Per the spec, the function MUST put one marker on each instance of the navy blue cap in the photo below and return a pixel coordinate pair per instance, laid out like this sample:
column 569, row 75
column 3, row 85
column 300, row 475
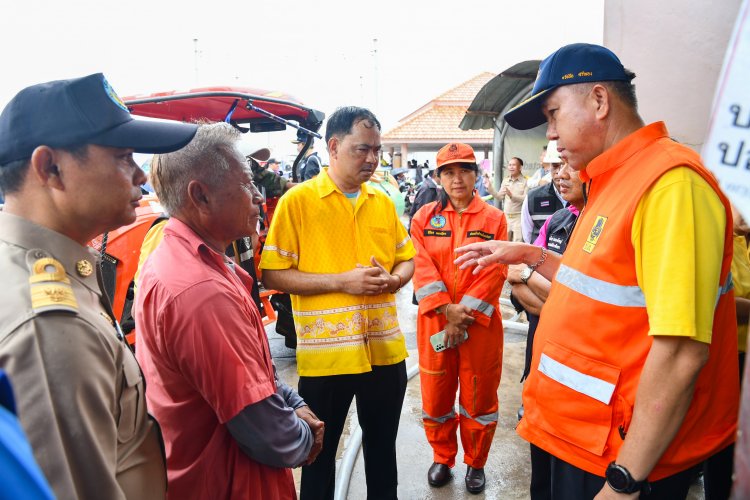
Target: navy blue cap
column 301, row 137
column 575, row 63
column 67, row 113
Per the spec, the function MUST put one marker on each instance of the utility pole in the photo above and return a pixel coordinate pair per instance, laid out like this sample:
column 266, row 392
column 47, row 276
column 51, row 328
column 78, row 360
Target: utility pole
column 375, row 65
column 195, row 59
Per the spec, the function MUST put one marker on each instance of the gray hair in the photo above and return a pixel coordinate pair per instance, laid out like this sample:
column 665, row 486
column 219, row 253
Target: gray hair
column 206, row 158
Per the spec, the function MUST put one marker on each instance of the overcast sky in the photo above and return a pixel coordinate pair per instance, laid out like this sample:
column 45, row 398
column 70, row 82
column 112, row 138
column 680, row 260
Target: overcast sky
column 320, row 52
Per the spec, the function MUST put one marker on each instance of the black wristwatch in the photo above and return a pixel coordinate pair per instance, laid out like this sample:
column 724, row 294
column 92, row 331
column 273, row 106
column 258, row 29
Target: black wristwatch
column 620, row 480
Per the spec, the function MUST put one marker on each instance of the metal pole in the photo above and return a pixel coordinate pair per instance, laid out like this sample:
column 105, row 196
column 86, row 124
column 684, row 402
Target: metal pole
column 195, row 59
column 375, row 62
column 341, row 488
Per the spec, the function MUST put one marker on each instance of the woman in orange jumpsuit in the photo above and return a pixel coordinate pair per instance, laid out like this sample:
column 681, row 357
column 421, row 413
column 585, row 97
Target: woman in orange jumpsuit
column 458, row 303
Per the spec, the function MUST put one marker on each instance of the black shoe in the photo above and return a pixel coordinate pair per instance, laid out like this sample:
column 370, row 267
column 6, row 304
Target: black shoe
column 474, row 480
column 520, row 412
column 439, row 475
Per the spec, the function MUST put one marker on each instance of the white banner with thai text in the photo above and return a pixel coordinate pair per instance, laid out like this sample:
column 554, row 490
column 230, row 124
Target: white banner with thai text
column 727, row 148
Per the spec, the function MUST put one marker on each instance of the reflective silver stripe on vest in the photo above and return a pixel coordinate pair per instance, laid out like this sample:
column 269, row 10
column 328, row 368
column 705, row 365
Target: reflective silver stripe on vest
column 440, row 420
column 541, row 217
column 248, row 255
column 725, row 288
column 478, row 305
column 482, row 419
column 593, row 387
column 599, row 290
column 430, row 289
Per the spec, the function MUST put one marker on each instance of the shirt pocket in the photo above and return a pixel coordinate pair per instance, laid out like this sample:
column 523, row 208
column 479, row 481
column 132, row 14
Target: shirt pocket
column 574, row 396
column 131, row 399
column 378, row 231
column 380, row 244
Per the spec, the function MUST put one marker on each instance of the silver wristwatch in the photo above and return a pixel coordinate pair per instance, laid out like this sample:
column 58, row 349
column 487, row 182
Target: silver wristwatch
column 526, row 274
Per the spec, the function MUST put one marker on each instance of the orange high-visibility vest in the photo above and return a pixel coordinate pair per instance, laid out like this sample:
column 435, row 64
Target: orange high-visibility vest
column 592, row 340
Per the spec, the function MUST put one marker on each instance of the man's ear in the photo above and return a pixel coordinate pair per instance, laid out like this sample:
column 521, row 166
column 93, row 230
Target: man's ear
column 333, row 147
column 43, row 168
column 602, row 100
column 199, row 195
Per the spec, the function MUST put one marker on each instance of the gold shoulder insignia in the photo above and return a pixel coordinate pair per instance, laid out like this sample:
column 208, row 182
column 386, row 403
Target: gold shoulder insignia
column 50, row 287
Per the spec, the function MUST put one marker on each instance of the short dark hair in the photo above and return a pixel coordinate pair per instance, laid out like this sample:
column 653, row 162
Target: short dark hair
column 342, row 120
column 13, row 174
column 520, row 161
column 625, row 90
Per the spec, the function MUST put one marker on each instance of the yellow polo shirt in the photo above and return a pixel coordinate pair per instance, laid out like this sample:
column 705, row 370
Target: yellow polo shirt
column 316, row 229
column 677, row 271
column 741, row 277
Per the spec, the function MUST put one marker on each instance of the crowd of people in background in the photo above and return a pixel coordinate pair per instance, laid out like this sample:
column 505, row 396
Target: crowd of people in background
column 621, row 249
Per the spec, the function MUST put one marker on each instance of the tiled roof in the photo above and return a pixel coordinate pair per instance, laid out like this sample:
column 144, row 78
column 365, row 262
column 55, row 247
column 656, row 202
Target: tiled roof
column 439, row 119
column 438, row 122
column 468, row 90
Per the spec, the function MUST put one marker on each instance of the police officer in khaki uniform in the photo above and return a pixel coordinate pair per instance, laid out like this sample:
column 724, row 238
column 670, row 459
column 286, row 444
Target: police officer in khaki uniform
column 270, row 184
column 67, row 173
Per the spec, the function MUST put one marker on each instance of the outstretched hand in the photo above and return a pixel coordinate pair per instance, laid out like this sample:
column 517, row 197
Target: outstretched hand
column 487, row 253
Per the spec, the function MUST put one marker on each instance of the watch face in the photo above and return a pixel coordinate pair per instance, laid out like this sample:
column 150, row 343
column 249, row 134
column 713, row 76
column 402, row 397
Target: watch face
column 617, row 479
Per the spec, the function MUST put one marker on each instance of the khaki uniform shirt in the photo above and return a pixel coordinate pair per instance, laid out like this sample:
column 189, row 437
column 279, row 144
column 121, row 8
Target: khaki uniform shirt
column 273, row 184
column 512, row 204
column 79, row 390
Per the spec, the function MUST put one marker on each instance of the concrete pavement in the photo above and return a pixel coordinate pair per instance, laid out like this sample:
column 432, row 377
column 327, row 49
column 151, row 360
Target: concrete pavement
column 508, row 467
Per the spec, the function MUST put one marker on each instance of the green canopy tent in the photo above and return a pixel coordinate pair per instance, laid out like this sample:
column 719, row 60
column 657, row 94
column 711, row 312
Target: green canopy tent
column 486, row 111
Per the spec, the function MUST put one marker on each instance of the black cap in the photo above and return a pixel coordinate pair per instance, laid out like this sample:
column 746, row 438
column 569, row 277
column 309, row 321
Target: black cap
column 80, row 111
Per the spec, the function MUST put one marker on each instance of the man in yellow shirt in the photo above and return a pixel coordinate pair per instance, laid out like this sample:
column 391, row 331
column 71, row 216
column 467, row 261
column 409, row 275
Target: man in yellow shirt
column 338, row 247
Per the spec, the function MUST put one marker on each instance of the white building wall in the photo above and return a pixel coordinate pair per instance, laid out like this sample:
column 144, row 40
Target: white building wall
column 676, row 49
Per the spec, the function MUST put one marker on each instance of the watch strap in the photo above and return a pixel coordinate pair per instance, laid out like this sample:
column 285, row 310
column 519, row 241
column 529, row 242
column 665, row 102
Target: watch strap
column 631, row 486
column 525, row 277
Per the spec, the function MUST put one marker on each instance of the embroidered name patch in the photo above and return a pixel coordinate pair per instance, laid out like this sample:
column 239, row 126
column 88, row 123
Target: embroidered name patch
column 480, row 234
column 434, row 232
column 595, row 233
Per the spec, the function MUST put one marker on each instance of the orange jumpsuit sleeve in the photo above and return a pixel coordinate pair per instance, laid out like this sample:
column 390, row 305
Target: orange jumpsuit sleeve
column 484, row 289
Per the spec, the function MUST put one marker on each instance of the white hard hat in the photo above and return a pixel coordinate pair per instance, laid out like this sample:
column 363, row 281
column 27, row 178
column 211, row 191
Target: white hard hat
column 552, row 156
